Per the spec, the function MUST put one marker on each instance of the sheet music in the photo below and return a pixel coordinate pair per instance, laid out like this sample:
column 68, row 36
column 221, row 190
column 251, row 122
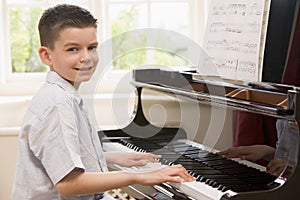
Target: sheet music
column 235, row 38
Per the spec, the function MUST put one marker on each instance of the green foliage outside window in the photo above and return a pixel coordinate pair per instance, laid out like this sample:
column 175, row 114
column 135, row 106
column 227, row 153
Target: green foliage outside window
column 138, row 57
column 124, row 23
column 24, row 42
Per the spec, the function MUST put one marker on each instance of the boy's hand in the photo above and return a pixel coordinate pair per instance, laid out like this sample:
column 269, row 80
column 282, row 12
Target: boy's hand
column 278, row 167
column 252, row 153
column 129, row 159
column 174, row 173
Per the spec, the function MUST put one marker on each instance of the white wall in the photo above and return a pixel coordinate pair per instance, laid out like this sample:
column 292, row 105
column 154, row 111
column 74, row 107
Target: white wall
column 203, row 124
column 11, row 113
column 8, row 153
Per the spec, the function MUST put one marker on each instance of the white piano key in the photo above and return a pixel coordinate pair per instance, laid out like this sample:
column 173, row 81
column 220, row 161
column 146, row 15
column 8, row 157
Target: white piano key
column 195, row 189
column 200, row 190
column 115, row 146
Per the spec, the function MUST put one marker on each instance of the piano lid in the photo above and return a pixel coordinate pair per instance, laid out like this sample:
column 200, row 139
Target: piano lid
column 264, row 98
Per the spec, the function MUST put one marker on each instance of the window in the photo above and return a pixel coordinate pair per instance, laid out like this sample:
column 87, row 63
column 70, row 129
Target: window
column 126, row 16
column 24, row 39
column 19, row 39
column 22, row 17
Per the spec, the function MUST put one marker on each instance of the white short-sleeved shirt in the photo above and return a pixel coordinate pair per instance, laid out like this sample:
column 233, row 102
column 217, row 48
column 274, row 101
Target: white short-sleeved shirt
column 56, row 137
column 288, row 142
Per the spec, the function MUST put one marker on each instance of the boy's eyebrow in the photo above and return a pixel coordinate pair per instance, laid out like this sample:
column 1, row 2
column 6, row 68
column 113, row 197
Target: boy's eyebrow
column 76, row 44
column 71, row 44
column 94, row 43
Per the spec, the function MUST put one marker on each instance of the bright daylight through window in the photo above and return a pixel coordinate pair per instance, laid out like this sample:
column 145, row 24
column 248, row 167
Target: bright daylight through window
column 120, row 16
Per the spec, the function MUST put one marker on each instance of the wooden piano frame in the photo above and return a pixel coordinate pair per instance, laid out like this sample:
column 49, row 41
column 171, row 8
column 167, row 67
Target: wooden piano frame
column 276, row 100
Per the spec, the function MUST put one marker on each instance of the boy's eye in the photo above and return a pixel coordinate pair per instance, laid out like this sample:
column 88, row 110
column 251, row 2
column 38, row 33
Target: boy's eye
column 92, row 47
column 72, row 49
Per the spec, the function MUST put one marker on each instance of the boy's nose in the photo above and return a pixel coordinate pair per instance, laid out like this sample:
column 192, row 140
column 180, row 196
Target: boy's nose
column 85, row 57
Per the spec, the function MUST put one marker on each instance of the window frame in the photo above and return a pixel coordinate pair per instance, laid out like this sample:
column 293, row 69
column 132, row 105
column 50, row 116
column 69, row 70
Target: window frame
column 28, row 83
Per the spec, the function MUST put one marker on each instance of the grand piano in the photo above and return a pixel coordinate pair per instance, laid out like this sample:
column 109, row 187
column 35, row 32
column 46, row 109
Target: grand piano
column 217, row 177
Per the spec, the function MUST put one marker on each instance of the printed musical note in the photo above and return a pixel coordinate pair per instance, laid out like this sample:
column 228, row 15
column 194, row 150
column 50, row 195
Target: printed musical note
column 223, row 45
column 219, row 10
column 237, row 9
column 219, row 27
column 230, row 9
column 252, row 27
column 246, row 66
column 225, row 64
column 249, row 48
column 255, row 9
column 234, row 37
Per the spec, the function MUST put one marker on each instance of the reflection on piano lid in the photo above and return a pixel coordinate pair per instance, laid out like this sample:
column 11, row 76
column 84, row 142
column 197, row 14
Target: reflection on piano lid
column 216, row 176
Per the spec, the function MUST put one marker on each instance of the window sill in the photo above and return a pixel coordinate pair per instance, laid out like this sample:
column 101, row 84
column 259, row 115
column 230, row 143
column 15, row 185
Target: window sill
column 103, row 107
column 9, row 131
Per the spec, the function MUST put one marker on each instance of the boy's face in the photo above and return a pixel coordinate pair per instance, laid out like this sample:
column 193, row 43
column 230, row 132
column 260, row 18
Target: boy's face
column 75, row 56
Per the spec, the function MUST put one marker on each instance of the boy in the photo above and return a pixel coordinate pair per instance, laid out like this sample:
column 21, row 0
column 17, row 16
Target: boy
column 60, row 155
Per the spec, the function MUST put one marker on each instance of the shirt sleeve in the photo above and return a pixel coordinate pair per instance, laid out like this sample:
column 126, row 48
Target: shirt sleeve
column 56, row 143
column 288, row 142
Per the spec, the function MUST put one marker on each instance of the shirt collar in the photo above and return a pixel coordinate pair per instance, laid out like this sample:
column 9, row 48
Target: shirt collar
column 55, row 78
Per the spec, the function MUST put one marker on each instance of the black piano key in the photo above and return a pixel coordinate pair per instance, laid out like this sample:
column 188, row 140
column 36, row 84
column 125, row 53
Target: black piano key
column 179, row 158
column 198, row 155
column 218, row 162
column 201, row 178
column 230, row 181
column 165, row 162
column 240, row 187
column 261, row 180
column 211, row 156
column 166, row 151
column 202, row 155
column 194, row 166
column 221, row 178
column 185, row 150
column 197, row 166
column 214, row 170
column 246, row 174
column 222, row 167
column 222, row 188
column 240, row 171
column 206, row 172
column 190, row 163
column 211, row 183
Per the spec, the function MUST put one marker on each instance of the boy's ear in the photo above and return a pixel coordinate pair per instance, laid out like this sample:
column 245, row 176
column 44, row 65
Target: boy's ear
column 45, row 55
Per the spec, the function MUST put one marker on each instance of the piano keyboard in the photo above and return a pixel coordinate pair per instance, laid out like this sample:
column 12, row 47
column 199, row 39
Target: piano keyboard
column 216, row 176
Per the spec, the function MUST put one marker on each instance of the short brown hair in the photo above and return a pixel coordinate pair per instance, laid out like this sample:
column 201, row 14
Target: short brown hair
column 60, row 17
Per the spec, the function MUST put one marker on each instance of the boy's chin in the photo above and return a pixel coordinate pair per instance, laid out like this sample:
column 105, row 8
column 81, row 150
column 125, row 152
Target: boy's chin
column 82, row 79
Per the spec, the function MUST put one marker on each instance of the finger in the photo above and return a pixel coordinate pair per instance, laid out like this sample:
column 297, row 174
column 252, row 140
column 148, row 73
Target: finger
column 139, row 162
column 179, row 170
column 274, row 169
column 231, row 153
column 175, row 179
column 146, row 156
column 153, row 157
column 223, row 152
column 250, row 157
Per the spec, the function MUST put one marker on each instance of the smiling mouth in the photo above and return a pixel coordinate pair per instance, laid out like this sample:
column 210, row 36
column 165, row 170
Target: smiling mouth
column 84, row 68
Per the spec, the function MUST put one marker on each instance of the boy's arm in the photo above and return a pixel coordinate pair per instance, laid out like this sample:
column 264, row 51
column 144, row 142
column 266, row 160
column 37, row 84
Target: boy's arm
column 78, row 183
column 129, row 159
